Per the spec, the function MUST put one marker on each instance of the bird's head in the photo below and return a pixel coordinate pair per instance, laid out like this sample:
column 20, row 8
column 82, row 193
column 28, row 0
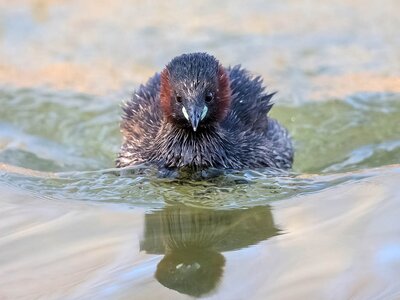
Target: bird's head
column 195, row 91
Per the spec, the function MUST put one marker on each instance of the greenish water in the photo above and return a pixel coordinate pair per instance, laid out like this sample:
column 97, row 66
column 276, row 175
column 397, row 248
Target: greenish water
column 75, row 137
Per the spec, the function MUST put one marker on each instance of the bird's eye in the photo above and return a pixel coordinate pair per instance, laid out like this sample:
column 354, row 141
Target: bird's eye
column 178, row 99
column 209, row 97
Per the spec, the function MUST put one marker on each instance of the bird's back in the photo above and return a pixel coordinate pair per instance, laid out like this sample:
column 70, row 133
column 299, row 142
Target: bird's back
column 249, row 103
column 141, row 122
column 249, row 119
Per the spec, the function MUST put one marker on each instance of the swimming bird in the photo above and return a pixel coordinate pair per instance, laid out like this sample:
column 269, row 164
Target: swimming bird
column 197, row 114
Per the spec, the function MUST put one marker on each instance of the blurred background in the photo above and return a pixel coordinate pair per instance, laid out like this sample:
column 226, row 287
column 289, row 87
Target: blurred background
column 304, row 49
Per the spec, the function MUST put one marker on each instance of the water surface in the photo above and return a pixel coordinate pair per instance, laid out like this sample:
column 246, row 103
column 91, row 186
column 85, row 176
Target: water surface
column 61, row 146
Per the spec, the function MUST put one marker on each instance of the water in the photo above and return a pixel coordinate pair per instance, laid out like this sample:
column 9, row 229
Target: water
column 75, row 138
column 70, row 141
column 74, row 227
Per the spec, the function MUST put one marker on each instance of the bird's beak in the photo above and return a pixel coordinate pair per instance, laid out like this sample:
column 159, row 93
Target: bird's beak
column 195, row 114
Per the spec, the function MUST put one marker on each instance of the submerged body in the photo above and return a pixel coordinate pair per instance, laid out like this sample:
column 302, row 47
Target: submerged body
column 197, row 114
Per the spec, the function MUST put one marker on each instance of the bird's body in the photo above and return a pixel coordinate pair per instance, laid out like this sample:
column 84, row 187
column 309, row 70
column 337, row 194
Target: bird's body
column 198, row 115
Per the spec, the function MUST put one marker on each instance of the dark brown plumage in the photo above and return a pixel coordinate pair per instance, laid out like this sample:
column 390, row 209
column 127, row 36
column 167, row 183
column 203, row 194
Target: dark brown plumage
column 197, row 114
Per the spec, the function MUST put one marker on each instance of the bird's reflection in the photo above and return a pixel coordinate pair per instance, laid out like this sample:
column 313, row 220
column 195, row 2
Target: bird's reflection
column 192, row 240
